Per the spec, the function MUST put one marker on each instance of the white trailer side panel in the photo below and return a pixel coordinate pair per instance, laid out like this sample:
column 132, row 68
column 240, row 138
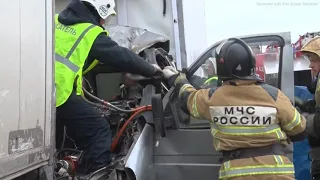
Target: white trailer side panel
column 194, row 26
column 25, row 86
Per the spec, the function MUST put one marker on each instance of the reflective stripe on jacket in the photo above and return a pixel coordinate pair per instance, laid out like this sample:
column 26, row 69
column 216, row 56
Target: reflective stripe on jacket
column 272, row 165
column 72, row 47
column 214, row 78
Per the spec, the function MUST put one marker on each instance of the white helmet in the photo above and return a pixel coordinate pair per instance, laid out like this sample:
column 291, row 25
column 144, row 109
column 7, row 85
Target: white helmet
column 105, row 8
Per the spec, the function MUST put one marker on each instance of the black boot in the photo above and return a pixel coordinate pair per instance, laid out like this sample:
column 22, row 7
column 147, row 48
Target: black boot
column 315, row 169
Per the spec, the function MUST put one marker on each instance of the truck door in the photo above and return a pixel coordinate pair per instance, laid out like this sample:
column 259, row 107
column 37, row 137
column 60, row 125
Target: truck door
column 187, row 150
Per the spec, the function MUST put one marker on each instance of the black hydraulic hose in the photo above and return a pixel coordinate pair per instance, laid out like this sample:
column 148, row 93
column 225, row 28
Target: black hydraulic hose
column 103, row 103
column 106, row 103
column 92, row 103
column 64, row 137
column 88, row 83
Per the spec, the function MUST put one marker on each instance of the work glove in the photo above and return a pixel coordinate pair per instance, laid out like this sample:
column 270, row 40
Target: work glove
column 169, row 71
column 158, row 70
column 173, row 75
column 135, row 77
column 312, row 125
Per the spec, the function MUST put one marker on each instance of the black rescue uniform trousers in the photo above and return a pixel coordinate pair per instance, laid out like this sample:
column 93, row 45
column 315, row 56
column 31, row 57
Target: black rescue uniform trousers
column 314, row 143
column 89, row 130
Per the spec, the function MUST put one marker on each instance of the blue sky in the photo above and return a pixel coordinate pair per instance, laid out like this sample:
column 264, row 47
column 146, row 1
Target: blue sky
column 234, row 17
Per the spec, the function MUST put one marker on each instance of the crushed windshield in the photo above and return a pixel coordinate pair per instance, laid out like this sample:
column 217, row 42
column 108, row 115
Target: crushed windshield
column 267, row 55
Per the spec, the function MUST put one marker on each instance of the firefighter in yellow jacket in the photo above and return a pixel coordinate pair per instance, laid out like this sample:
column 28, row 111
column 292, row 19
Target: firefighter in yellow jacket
column 251, row 122
column 312, row 51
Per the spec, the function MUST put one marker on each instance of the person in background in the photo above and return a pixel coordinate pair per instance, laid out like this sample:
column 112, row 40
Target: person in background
column 312, row 51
